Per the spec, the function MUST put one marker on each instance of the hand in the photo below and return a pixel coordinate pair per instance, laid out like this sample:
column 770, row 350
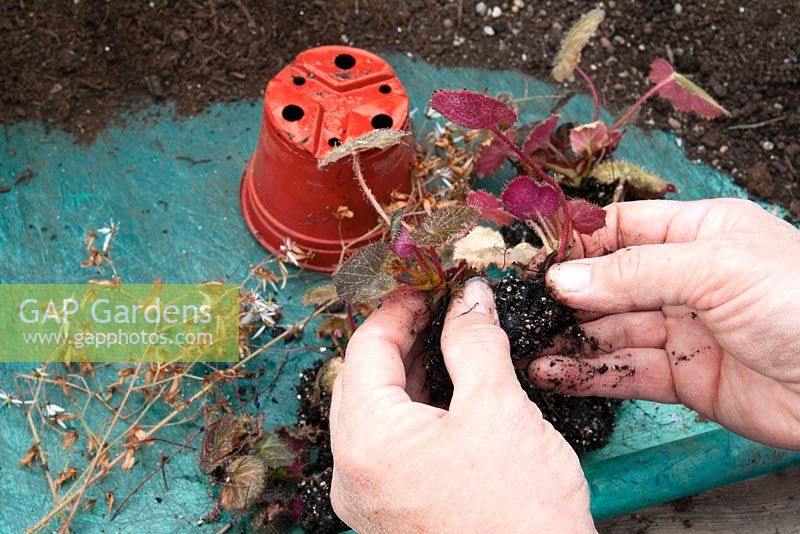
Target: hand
column 489, row 464
column 700, row 305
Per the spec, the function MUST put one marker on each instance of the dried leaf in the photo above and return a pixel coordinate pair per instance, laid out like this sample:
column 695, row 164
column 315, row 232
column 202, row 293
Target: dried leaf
column 129, row 461
column 317, row 296
column 226, row 437
column 472, row 110
column 592, row 138
column 343, row 212
column 275, row 452
column 587, row 218
column 34, row 453
column 328, row 373
column 65, row 476
column 244, row 484
column 540, row 135
column 364, row 275
column 490, row 206
column 526, row 199
column 445, row 225
column 402, row 245
column 682, row 93
column 69, row 439
column 380, row 139
column 642, row 183
column 493, row 155
column 569, row 56
column 484, row 246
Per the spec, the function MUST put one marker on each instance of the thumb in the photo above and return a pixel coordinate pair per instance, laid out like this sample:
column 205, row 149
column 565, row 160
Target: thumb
column 476, row 350
column 641, row 278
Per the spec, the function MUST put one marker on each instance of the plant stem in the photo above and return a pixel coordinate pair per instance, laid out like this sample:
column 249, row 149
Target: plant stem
column 436, row 262
column 368, row 192
column 567, row 230
column 644, row 98
column 593, row 90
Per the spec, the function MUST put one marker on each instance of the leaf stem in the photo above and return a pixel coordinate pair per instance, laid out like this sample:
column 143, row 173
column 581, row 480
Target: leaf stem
column 644, row 98
column 359, row 176
column 593, row 90
column 436, row 263
column 566, row 233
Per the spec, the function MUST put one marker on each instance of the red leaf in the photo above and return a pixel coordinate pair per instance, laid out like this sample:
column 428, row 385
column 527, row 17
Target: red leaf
column 492, row 156
column 593, row 137
column 526, row 199
column 471, row 110
column 490, row 206
column 682, row 93
column 540, row 135
column 402, row 245
column 586, row 217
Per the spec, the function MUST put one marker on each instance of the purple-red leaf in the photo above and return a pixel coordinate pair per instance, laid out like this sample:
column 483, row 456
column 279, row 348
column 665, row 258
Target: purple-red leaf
column 402, row 245
column 526, row 199
column 586, row 217
column 490, row 206
column 492, row 156
column 593, row 137
column 471, row 110
column 540, row 135
column 682, row 93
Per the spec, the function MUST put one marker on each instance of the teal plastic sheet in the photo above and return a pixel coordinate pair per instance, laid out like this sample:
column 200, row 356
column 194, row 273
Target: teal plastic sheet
column 180, row 222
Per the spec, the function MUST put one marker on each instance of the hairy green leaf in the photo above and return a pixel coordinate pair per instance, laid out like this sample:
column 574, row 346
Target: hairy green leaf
column 275, row 452
column 364, row 275
column 445, row 226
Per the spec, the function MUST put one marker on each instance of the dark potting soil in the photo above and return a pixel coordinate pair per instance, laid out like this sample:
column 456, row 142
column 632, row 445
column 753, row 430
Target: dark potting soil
column 532, row 319
column 318, row 514
column 76, row 64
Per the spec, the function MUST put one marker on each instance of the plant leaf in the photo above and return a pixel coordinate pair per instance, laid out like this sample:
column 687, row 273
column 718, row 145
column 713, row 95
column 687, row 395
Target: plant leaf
column 402, row 245
column 317, row 296
column 245, row 482
column 445, row 225
column 275, row 452
column 682, row 93
column 492, row 156
column 472, row 110
column 540, row 135
column 380, row 139
column 643, row 184
column 364, row 275
column 484, row 246
column 222, row 439
column 396, row 225
column 569, row 56
column 526, row 199
column 587, row 218
column 490, row 206
column 592, row 138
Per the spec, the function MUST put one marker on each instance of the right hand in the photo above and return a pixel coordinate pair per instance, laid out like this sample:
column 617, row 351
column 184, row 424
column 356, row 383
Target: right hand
column 698, row 303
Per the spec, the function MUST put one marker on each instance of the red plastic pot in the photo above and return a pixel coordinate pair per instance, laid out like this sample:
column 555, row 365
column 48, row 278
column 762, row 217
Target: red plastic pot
column 326, row 96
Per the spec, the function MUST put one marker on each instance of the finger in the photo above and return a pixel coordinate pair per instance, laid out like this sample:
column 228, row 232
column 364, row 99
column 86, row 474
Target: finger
column 627, row 330
column 637, row 278
column 476, row 350
column 647, row 222
column 379, row 353
column 626, row 374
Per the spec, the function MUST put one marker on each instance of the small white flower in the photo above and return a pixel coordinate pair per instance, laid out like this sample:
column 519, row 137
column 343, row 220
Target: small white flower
column 109, row 231
column 53, row 411
column 286, row 248
column 10, row 400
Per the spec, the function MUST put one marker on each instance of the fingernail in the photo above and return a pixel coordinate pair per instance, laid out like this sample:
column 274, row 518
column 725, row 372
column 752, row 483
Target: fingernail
column 477, row 296
column 570, row 277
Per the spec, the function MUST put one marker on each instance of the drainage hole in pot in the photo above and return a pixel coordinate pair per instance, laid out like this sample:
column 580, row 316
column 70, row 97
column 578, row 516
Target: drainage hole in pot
column 382, row 121
column 292, row 113
column 344, row 61
column 334, row 141
column 385, row 89
column 298, row 80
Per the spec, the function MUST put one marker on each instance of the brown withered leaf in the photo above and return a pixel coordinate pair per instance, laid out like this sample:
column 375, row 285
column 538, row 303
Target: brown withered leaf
column 317, row 296
column 380, row 139
column 65, row 476
column 34, row 453
column 69, row 439
column 227, row 436
column 245, row 481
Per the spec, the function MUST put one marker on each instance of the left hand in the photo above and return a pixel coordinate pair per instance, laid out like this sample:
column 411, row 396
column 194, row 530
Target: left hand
column 490, row 463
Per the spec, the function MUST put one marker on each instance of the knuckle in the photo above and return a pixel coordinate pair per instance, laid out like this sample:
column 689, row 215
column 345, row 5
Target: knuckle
column 621, row 267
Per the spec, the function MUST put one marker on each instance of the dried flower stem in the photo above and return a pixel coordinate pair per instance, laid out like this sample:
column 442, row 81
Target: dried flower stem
column 359, row 175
